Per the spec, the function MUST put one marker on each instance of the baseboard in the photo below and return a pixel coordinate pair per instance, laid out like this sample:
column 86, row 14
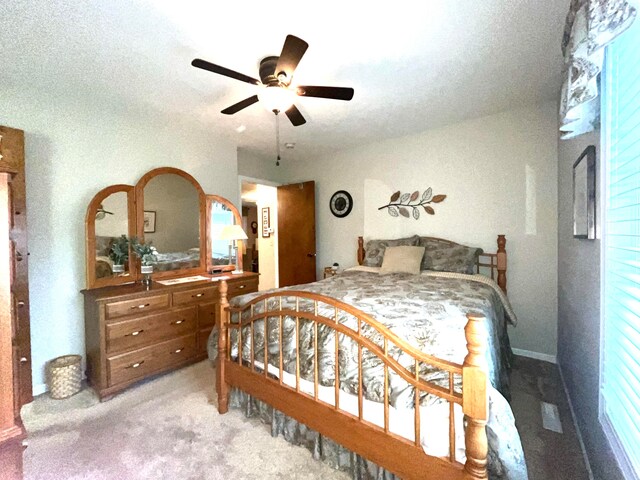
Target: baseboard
column 545, row 357
column 39, row 389
column 575, row 424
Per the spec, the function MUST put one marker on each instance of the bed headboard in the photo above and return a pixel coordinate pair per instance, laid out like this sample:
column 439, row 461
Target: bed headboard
column 494, row 263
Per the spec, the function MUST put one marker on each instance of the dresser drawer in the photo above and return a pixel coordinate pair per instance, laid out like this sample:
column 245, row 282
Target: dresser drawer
column 138, row 364
column 197, row 295
column 241, row 287
column 207, row 314
column 141, row 331
column 137, row 306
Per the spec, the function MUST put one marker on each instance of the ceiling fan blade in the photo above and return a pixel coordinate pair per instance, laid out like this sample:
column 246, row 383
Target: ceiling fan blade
column 240, row 105
column 198, row 63
column 335, row 93
column 292, row 51
column 295, row 116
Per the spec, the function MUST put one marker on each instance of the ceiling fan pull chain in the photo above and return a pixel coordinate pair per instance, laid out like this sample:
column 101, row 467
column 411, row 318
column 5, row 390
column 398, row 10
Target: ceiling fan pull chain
column 277, row 138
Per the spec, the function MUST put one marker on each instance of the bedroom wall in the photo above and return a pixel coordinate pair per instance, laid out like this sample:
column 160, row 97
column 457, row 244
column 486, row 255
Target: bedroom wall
column 74, row 147
column 500, row 176
column 579, row 311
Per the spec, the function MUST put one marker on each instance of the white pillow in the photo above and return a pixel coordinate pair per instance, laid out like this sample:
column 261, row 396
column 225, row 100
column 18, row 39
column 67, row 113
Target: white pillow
column 402, row 260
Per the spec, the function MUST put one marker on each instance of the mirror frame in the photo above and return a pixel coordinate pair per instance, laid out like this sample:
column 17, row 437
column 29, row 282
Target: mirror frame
column 135, row 210
column 238, row 217
column 90, row 239
column 139, row 192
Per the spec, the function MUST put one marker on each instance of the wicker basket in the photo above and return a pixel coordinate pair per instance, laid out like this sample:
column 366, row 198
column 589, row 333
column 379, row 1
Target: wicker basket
column 64, row 375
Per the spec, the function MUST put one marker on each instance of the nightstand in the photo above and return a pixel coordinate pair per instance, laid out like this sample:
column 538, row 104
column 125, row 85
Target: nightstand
column 329, row 272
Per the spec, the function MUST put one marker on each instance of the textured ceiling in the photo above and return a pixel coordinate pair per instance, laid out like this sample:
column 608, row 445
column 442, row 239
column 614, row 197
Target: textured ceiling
column 413, row 65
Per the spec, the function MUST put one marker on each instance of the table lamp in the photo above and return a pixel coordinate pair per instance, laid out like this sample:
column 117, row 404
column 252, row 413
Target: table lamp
column 233, row 233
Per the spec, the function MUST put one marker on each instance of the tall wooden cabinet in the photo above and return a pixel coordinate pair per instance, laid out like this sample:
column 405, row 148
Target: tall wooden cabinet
column 12, row 151
column 11, row 429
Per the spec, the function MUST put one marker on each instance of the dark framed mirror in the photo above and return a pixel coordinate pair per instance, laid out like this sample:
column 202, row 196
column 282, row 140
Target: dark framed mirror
column 584, row 195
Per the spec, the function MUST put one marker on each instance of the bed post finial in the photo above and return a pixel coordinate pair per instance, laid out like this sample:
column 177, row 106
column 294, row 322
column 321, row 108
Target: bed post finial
column 223, row 318
column 474, row 396
column 360, row 250
column 502, row 263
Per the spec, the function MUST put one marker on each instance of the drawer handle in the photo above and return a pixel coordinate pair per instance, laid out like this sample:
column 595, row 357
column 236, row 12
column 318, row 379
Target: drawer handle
column 140, row 306
column 197, row 295
column 134, row 334
column 241, row 286
column 177, row 322
column 178, row 350
column 136, row 365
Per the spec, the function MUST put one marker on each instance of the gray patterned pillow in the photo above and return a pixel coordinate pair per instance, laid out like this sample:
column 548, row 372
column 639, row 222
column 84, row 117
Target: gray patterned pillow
column 448, row 258
column 374, row 250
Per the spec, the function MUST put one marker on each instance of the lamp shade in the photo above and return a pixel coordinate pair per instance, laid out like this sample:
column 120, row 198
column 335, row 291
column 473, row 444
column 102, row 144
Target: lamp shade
column 233, row 232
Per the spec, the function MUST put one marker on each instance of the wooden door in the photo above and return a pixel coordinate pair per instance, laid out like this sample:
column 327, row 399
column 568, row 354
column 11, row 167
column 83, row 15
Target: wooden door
column 297, row 234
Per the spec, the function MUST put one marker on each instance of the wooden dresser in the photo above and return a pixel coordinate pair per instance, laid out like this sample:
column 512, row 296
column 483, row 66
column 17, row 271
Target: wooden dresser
column 133, row 333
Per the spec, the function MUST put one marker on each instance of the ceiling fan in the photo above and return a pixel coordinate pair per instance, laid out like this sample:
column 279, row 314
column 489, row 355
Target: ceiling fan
column 276, row 74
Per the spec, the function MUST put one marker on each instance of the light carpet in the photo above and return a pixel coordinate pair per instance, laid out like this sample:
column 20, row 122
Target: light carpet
column 166, row 428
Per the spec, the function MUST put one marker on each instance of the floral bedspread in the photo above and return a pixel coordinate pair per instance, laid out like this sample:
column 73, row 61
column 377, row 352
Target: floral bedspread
column 428, row 311
column 176, row 260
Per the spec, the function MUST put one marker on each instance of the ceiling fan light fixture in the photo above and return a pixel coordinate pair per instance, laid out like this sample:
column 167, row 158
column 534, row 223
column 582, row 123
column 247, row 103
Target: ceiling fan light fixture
column 276, row 98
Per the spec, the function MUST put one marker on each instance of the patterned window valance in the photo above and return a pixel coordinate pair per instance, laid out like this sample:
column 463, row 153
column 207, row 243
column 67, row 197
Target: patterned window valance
column 591, row 25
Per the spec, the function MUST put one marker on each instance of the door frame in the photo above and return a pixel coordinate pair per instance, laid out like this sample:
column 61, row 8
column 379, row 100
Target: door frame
column 268, row 183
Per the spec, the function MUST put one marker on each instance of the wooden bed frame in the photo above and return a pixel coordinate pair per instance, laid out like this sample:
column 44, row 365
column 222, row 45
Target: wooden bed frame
column 403, row 457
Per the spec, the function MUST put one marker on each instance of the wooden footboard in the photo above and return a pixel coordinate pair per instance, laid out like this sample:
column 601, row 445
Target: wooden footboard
column 397, row 454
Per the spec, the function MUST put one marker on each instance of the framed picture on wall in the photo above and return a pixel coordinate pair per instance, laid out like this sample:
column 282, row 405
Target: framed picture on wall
column 584, row 195
column 149, row 221
column 265, row 223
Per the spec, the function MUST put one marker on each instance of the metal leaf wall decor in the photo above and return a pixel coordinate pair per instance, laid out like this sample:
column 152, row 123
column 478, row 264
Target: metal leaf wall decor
column 409, row 204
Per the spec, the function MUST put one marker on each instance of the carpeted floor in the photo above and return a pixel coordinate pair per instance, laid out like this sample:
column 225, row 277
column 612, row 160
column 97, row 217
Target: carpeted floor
column 549, row 455
column 169, row 428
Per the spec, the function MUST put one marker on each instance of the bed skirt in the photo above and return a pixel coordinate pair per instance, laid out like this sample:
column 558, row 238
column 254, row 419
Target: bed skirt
column 505, row 460
column 296, row 433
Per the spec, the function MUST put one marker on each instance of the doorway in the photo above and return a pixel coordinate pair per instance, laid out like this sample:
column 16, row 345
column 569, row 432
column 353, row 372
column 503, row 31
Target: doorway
column 259, row 208
column 283, row 247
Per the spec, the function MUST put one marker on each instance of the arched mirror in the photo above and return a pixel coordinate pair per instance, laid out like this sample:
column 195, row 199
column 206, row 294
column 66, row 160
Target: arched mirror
column 192, row 233
column 223, row 255
column 108, row 225
column 170, row 215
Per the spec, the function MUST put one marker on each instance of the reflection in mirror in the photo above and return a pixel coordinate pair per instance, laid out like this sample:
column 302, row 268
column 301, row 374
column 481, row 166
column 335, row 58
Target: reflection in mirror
column 172, row 221
column 221, row 250
column 111, row 222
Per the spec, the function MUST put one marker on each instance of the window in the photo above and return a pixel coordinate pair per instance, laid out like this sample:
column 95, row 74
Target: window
column 620, row 374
